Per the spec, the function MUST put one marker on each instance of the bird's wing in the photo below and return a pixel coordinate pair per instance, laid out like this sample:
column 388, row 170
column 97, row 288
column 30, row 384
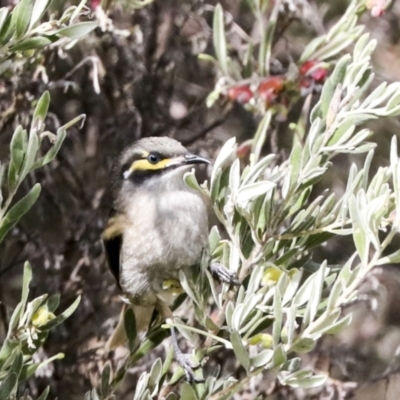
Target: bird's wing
column 112, row 240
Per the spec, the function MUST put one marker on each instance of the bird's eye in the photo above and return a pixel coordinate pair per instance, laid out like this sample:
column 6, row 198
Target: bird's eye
column 153, row 158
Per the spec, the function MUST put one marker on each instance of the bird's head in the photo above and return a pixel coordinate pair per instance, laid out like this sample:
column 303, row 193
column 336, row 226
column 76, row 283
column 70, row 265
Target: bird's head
column 154, row 162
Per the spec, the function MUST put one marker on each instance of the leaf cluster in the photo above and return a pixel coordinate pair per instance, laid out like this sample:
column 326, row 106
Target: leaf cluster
column 22, row 32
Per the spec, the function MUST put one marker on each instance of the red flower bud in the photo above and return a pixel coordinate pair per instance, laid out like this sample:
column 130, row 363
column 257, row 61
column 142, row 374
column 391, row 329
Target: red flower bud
column 318, row 74
column 269, row 88
column 377, row 7
column 242, row 94
column 244, row 149
column 94, row 4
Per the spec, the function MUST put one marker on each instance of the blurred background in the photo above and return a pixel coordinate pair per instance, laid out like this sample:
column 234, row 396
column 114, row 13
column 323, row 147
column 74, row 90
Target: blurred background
column 139, row 75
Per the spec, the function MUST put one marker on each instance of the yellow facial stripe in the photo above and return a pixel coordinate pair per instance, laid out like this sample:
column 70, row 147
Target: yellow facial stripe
column 144, row 165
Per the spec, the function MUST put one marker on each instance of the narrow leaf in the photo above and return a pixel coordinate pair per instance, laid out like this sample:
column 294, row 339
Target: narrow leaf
column 78, row 30
column 239, row 350
column 63, row 316
column 18, row 210
column 219, row 38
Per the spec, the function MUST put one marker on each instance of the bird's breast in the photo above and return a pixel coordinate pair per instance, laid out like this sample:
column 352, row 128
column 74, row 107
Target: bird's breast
column 162, row 235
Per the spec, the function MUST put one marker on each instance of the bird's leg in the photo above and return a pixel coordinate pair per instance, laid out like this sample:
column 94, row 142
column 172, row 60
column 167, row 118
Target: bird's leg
column 184, row 360
column 222, row 274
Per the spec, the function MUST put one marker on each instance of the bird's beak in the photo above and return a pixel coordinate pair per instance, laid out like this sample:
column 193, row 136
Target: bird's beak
column 187, row 159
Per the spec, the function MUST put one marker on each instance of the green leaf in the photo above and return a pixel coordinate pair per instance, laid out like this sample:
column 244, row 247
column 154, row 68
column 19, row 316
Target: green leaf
column 15, row 316
column 21, row 16
column 29, row 369
column 63, row 316
column 307, row 383
column 39, row 9
column 359, row 235
column 280, row 356
column 187, row 392
column 16, row 366
column 326, row 97
column 391, row 258
column 78, row 30
column 240, row 351
column 141, row 386
column 315, row 299
column 191, row 181
column 31, row 152
column 61, row 134
column 343, row 133
column 2, row 170
column 3, row 17
column 338, row 326
column 105, row 379
column 253, row 190
column 51, row 154
column 42, row 107
column 219, row 39
column 225, row 156
column 213, row 239
column 53, row 302
column 261, row 135
column 31, row 44
column 4, row 66
column 130, row 327
column 45, row 393
column 303, row 345
column 187, row 287
column 295, row 163
column 234, row 176
column 18, row 210
column 8, row 384
column 94, row 395
column 339, row 72
column 27, row 278
column 155, row 374
column 152, row 340
column 212, row 98
column 262, row 359
column 18, row 145
column 311, row 48
column 277, row 325
column 257, row 169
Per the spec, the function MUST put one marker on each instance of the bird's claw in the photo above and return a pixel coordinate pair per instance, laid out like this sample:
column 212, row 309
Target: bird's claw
column 186, row 362
column 221, row 273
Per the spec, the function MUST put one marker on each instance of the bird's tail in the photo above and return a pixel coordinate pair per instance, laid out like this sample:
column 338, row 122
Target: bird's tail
column 143, row 317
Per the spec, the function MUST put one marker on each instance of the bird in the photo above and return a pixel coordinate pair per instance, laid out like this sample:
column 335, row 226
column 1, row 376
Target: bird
column 158, row 226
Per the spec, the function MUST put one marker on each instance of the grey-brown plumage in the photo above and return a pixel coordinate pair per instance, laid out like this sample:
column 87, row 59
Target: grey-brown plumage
column 158, row 225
